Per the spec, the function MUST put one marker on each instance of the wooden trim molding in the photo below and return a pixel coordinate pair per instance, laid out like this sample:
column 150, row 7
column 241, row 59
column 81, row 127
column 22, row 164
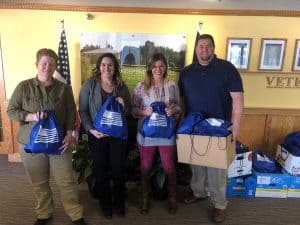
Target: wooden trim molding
column 271, row 111
column 224, row 12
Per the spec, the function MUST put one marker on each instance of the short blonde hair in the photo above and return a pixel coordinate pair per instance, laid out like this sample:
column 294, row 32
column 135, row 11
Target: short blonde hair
column 46, row 52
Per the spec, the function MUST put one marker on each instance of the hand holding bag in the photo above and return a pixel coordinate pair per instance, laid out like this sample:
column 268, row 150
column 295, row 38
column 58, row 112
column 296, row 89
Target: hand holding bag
column 111, row 119
column 46, row 136
column 158, row 124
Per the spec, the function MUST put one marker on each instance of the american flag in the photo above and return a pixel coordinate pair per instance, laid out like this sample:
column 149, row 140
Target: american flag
column 197, row 36
column 63, row 68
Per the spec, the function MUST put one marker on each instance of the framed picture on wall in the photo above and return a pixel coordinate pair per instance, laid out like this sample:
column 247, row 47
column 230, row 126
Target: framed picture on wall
column 296, row 63
column 272, row 54
column 238, row 52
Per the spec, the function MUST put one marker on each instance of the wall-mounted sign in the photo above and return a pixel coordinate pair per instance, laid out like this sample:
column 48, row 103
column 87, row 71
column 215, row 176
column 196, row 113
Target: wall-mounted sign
column 133, row 50
column 279, row 81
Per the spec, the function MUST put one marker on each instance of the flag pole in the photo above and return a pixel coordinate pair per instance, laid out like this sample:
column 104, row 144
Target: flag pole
column 200, row 27
column 63, row 68
column 62, row 21
column 199, row 32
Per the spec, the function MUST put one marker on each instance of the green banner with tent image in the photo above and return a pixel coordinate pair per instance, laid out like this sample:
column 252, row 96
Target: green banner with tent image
column 133, row 51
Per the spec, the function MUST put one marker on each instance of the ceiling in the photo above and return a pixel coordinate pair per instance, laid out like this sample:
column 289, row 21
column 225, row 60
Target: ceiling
column 293, row 5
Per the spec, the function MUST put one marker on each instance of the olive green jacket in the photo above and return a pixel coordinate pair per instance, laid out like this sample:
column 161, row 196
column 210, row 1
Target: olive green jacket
column 30, row 97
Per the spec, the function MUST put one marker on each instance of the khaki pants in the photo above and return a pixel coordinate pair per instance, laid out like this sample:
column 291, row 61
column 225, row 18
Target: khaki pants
column 214, row 179
column 38, row 167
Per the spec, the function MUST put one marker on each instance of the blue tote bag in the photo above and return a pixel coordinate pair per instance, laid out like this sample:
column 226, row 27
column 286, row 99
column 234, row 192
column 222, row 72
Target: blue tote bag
column 292, row 143
column 192, row 119
column 158, row 124
column 111, row 119
column 45, row 137
column 212, row 127
column 263, row 163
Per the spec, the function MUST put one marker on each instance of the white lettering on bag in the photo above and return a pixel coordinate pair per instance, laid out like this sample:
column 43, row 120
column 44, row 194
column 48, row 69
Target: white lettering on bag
column 47, row 136
column 157, row 120
column 112, row 118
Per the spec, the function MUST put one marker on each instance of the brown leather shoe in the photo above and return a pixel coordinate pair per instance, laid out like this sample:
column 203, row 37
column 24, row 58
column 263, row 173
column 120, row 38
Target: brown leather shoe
column 193, row 199
column 43, row 221
column 218, row 215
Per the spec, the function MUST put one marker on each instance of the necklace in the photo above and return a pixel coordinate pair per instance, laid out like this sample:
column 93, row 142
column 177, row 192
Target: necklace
column 159, row 93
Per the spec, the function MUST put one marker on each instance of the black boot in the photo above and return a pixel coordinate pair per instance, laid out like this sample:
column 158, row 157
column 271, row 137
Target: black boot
column 105, row 202
column 145, row 194
column 119, row 199
column 172, row 193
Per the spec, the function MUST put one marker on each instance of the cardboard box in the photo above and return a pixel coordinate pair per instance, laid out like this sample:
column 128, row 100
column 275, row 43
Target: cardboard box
column 216, row 152
column 288, row 161
column 241, row 187
column 272, row 185
column 294, row 189
column 241, row 165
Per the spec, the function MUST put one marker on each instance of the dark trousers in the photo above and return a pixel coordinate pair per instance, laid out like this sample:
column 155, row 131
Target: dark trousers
column 109, row 156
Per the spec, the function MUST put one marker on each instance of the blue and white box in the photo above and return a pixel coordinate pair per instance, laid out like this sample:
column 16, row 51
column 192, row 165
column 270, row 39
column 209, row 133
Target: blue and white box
column 294, row 189
column 241, row 186
column 241, row 165
column 272, row 185
column 288, row 161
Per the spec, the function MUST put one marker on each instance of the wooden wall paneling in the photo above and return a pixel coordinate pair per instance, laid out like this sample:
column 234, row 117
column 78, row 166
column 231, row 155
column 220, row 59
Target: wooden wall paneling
column 15, row 143
column 6, row 125
column 277, row 127
column 6, row 146
column 252, row 131
column 296, row 126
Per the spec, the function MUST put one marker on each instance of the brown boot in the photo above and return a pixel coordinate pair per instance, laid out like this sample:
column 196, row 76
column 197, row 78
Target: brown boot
column 218, row 215
column 144, row 209
column 172, row 193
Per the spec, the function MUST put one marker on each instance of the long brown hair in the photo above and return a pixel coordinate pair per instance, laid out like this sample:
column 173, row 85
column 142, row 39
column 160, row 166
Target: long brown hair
column 148, row 80
column 117, row 78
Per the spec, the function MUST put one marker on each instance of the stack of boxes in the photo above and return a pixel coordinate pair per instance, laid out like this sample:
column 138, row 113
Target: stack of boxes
column 291, row 166
column 242, row 182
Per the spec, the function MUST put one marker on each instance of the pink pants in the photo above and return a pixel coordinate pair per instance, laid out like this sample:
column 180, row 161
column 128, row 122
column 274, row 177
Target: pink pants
column 166, row 156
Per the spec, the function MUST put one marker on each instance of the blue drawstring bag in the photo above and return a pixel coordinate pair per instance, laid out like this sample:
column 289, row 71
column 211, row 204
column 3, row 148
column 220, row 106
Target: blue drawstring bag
column 212, row 127
column 263, row 163
column 292, row 143
column 158, row 124
column 45, row 137
column 111, row 119
column 187, row 126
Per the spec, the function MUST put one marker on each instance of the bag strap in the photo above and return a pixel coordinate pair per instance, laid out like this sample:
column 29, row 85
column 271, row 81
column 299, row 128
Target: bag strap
column 220, row 144
column 193, row 149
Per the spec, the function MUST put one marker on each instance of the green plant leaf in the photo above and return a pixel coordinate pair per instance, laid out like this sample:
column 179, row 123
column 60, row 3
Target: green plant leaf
column 88, row 172
column 160, row 178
